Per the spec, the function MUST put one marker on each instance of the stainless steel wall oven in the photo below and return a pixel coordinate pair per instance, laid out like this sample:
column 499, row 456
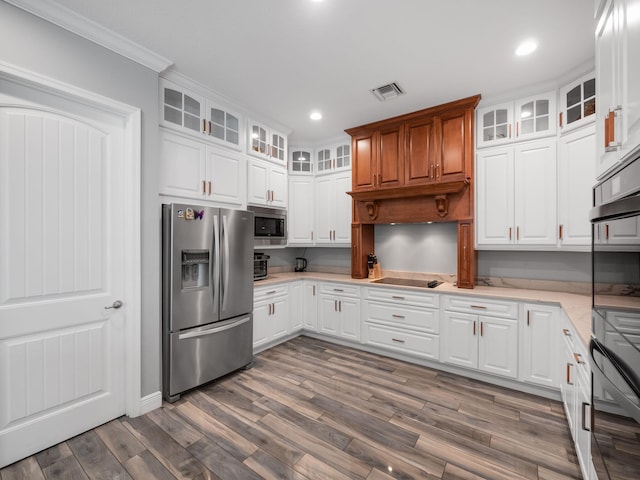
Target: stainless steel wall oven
column 615, row 340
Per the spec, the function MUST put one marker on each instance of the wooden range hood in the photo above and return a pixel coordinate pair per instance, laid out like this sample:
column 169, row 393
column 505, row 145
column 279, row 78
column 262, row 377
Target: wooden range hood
column 415, row 168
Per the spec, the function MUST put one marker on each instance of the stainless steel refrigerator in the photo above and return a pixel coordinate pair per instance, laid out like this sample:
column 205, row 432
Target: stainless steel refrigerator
column 207, row 294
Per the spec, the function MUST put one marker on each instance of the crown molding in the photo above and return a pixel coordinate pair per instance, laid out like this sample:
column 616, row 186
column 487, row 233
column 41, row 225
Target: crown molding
column 94, row 32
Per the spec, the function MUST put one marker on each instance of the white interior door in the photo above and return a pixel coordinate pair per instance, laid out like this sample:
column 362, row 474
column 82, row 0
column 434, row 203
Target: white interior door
column 62, row 246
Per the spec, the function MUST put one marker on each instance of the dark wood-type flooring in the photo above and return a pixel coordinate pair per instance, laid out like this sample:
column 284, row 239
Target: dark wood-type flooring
column 314, row 410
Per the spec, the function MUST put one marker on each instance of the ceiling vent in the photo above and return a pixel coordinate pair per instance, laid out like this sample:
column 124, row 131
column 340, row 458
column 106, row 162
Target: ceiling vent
column 387, row 92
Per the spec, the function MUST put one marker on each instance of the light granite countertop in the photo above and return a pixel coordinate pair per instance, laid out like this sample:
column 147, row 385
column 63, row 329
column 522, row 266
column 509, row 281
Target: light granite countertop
column 576, row 306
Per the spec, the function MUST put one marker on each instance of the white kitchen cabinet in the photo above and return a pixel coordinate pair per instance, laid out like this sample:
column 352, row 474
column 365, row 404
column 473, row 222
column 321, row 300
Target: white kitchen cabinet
column 270, row 315
column 405, row 321
column 540, row 345
column 618, row 82
column 575, row 388
column 267, row 184
column 181, row 108
column 296, row 306
column 480, row 334
column 625, row 231
column 524, row 119
column 339, row 310
column 191, row 113
column 310, row 305
column 578, row 103
column 301, row 160
column 267, row 143
column 190, row 168
column 334, row 157
column 333, row 209
column 301, row 211
column 576, row 177
column 516, row 195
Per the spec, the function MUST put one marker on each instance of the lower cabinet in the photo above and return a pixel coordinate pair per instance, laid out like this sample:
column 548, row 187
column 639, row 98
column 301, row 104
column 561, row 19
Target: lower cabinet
column 480, row 341
column 270, row 314
column 304, row 306
column 540, row 345
column 339, row 310
column 575, row 389
column 402, row 321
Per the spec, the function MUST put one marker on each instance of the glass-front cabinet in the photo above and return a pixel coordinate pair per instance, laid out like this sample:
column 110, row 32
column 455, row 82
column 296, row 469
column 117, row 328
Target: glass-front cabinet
column 334, row 158
column 224, row 126
column 300, row 160
column 181, row 108
column 578, row 102
column 523, row 119
column 267, row 143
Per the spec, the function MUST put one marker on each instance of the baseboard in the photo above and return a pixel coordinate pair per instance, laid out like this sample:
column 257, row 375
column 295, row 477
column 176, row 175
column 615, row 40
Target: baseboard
column 150, row 402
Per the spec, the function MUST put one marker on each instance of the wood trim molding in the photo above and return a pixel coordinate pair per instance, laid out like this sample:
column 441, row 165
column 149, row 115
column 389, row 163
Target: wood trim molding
column 436, row 188
column 94, row 32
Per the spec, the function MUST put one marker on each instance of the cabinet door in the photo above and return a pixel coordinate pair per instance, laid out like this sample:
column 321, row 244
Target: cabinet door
column 577, row 165
column 540, row 361
column 342, row 210
column 182, row 170
column 494, row 197
column 460, row 339
column 279, row 318
column 223, row 126
column 349, row 311
column 578, row 101
column 277, row 183
column 301, row 211
column 498, row 349
column 224, row 176
column 181, row 108
column 301, row 160
column 631, row 79
column 420, row 150
column 365, row 161
column 494, row 125
column 325, row 202
column 328, row 315
column 535, row 193
column 278, row 147
column 258, row 139
column 536, row 116
column 258, row 173
column 583, row 421
column 451, row 163
column 390, row 171
column 567, row 385
column 310, row 306
column 296, row 306
column 343, row 156
column 261, row 331
column 607, row 87
column 625, row 231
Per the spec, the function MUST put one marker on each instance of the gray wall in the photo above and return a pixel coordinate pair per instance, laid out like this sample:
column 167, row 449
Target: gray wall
column 39, row 46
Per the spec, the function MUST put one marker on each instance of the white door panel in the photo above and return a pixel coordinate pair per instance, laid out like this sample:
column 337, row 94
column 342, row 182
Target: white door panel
column 62, row 219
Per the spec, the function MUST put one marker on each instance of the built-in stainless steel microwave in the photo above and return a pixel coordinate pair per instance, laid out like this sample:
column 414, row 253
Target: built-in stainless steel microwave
column 270, row 226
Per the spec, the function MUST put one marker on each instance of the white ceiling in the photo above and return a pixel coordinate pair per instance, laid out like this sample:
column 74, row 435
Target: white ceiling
column 284, row 58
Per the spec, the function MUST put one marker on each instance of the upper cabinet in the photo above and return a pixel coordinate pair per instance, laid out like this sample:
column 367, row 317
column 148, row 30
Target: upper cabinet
column 188, row 112
column 419, row 150
column 524, row 119
column 266, row 143
column 618, row 82
column 334, row 157
column 301, row 160
column 578, row 103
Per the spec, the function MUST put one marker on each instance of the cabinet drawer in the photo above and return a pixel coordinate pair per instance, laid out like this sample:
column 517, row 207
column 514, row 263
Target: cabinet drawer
column 339, row 289
column 481, row 306
column 418, row 344
column 400, row 316
column 403, row 297
column 269, row 291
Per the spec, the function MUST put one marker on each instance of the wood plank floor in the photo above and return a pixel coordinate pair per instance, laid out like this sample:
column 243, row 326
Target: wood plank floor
column 314, row 410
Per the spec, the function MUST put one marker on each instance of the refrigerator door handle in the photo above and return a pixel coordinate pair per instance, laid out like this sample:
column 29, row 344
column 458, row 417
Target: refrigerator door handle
column 211, row 331
column 225, row 263
column 216, row 260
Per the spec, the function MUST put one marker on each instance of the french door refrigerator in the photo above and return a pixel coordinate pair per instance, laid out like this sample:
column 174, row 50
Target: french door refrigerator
column 207, row 294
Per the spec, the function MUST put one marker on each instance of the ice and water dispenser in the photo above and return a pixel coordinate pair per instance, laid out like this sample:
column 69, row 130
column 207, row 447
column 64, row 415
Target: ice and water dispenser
column 195, row 269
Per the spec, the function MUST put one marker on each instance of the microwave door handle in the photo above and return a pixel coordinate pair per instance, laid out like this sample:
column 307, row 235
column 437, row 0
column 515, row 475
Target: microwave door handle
column 224, row 284
column 630, row 407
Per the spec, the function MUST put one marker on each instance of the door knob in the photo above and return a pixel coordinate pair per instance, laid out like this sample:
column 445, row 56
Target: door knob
column 117, row 304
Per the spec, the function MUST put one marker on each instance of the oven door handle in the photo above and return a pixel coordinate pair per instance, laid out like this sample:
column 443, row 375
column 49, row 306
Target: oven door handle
column 611, row 388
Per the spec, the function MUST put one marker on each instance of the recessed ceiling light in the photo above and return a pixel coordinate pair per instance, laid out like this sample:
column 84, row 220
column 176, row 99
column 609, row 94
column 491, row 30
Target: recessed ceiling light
column 526, row 47
column 315, row 116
